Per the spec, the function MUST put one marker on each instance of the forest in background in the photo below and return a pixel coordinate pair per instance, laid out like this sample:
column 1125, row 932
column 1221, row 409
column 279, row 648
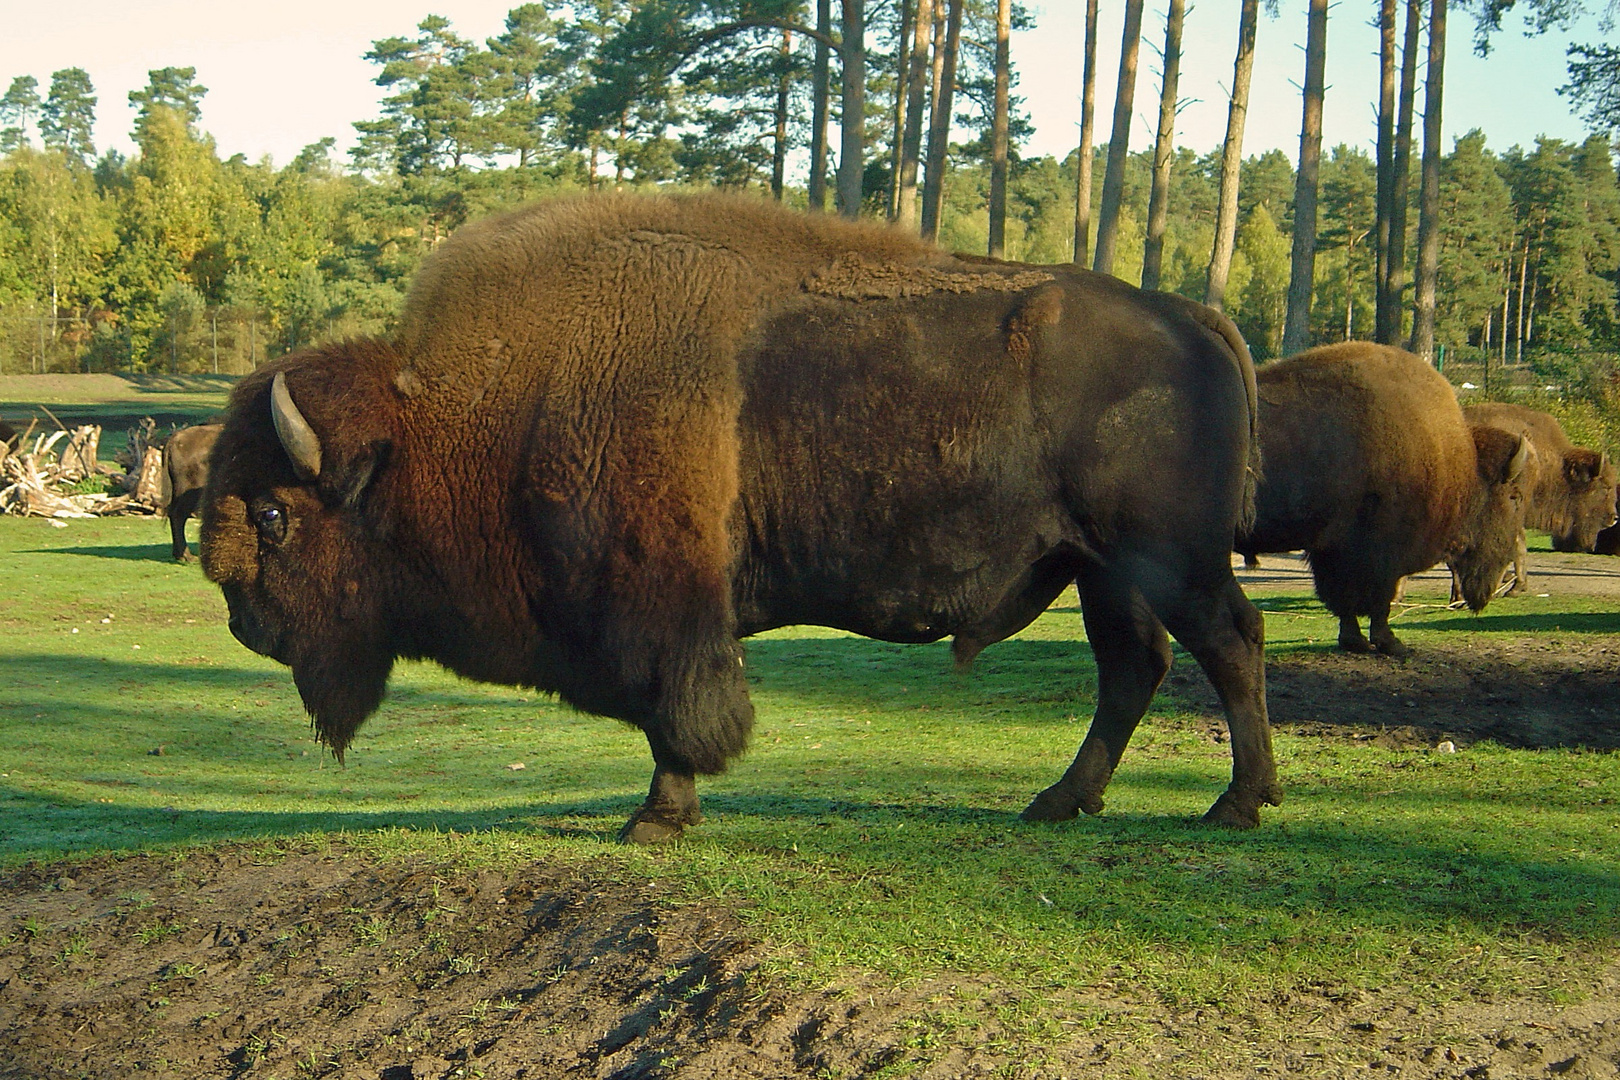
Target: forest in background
column 174, row 260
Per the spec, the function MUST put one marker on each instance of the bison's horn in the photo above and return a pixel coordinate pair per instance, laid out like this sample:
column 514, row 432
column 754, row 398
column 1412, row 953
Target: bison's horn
column 303, row 446
column 1521, row 458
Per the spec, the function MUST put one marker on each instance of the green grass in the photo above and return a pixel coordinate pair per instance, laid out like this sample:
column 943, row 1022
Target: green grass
column 872, row 827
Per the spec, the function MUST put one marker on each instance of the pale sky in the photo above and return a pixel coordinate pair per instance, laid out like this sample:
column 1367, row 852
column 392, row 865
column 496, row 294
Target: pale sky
column 285, row 75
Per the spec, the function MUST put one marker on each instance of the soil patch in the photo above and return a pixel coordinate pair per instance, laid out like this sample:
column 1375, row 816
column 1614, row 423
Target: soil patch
column 1552, row 686
column 331, row 963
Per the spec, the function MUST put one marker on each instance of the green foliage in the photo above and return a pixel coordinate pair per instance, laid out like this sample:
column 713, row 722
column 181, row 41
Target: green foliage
column 1478, row 214
column 18, row 108
column 69, row 115
column 175, row 258
column 172, row 90
column 1594, row 84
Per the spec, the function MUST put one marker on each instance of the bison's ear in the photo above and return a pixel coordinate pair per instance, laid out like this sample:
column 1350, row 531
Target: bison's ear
column 1502, row 457
column 1582, row 466
column 346, row 482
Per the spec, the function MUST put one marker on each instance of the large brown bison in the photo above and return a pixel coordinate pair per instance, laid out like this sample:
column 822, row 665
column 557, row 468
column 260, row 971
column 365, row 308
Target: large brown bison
column 1372, row 470
column 1569, row 489
column 185, row 475
column 614, row 435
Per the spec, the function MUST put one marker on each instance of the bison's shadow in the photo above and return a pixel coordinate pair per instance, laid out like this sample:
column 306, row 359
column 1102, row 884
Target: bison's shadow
column 131, row 552
column 1578, row 622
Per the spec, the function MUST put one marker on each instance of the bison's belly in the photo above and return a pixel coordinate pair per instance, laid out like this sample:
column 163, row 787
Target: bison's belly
column 893, row 578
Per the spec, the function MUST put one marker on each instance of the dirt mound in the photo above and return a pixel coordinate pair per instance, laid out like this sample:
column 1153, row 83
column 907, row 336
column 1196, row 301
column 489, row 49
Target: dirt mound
column 245, row 961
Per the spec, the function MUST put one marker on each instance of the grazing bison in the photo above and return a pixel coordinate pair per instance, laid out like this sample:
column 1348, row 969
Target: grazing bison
column 1371, row 469
column 615, row 434
column 1569, row 489
column 185, row 475
column 1608, row 541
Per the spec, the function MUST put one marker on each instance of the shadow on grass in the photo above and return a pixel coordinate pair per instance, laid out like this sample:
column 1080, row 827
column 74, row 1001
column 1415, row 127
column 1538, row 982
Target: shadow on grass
column 131, row 552
column 1578, row 622
column 1112, row 874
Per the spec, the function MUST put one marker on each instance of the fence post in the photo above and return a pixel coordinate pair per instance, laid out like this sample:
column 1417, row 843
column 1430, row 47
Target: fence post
column 41, row 370
column 213, row 320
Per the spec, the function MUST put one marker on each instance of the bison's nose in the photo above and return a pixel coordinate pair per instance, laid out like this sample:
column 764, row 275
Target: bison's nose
column 244, row 624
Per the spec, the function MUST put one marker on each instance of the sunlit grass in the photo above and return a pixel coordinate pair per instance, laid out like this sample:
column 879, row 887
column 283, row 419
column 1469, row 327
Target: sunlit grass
column 872, row 827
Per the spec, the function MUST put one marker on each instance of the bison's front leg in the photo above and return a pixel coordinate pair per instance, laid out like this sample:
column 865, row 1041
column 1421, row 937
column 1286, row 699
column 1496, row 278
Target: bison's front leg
column 672, row 804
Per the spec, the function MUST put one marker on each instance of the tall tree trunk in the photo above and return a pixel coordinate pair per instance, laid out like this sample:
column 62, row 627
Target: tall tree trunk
column 998, row 134
column 1302, row 265
column 820, row 80
column 1088, row 114
column 779, row 143
column 916, row 83
column 1400, row 185
column 939, row 128
column 1226, row 213
column 1518, row 323
column 897, row 117
column 1386, row 168
column 1113, row 192
column 852, row 147
column 1428, row 238
column 1163, row 148
column 1507, row 295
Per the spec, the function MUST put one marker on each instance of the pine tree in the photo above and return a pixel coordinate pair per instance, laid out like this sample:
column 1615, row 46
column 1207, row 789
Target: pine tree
column 172, row 89
column 1477, row 210
column 18, row 110
column 68, row 118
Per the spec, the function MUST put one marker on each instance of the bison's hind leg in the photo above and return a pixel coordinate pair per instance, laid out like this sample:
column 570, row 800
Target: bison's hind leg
column 180, row 509
column 1215, row 622
column 1133, row 655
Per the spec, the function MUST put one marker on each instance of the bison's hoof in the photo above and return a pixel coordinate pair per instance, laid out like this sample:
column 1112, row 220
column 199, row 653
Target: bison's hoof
column 1394, row 648
column 1355, row 644
column 1230, row 812
column 641, row 830
column 1055, row 804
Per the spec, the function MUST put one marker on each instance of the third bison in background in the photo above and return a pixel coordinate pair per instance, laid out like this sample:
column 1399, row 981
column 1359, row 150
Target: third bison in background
column 1370, row 467
column 1569, row 489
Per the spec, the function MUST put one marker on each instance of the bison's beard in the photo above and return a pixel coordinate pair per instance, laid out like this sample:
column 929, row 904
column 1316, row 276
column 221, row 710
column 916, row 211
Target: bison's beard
column 340, row 689
column 1478, row 578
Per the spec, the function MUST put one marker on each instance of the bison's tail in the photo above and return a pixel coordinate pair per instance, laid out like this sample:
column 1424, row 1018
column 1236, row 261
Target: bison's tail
column 1228, row 331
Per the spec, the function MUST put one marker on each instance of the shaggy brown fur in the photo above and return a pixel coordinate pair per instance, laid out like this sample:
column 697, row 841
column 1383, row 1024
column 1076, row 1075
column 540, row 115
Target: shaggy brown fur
column 1372, row 470
column 1570, row 488
column 614, row 434
column 185, row 475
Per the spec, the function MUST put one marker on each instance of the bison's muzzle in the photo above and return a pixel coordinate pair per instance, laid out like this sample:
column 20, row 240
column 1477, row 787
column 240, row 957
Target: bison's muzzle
column 247, row 628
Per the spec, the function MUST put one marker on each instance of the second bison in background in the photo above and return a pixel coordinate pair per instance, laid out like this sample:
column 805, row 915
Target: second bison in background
column 1569, row 489
column 1371, row 468
column 185, row 475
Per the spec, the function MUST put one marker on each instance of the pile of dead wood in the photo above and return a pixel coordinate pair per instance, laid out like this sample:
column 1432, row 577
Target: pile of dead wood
column 40, row 474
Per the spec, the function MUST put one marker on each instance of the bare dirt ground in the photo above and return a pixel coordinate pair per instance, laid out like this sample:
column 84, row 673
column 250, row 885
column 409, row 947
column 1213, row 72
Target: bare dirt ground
column 326, row 962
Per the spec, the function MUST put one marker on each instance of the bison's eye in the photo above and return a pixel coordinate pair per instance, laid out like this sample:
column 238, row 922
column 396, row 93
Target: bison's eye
column 271, row 521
